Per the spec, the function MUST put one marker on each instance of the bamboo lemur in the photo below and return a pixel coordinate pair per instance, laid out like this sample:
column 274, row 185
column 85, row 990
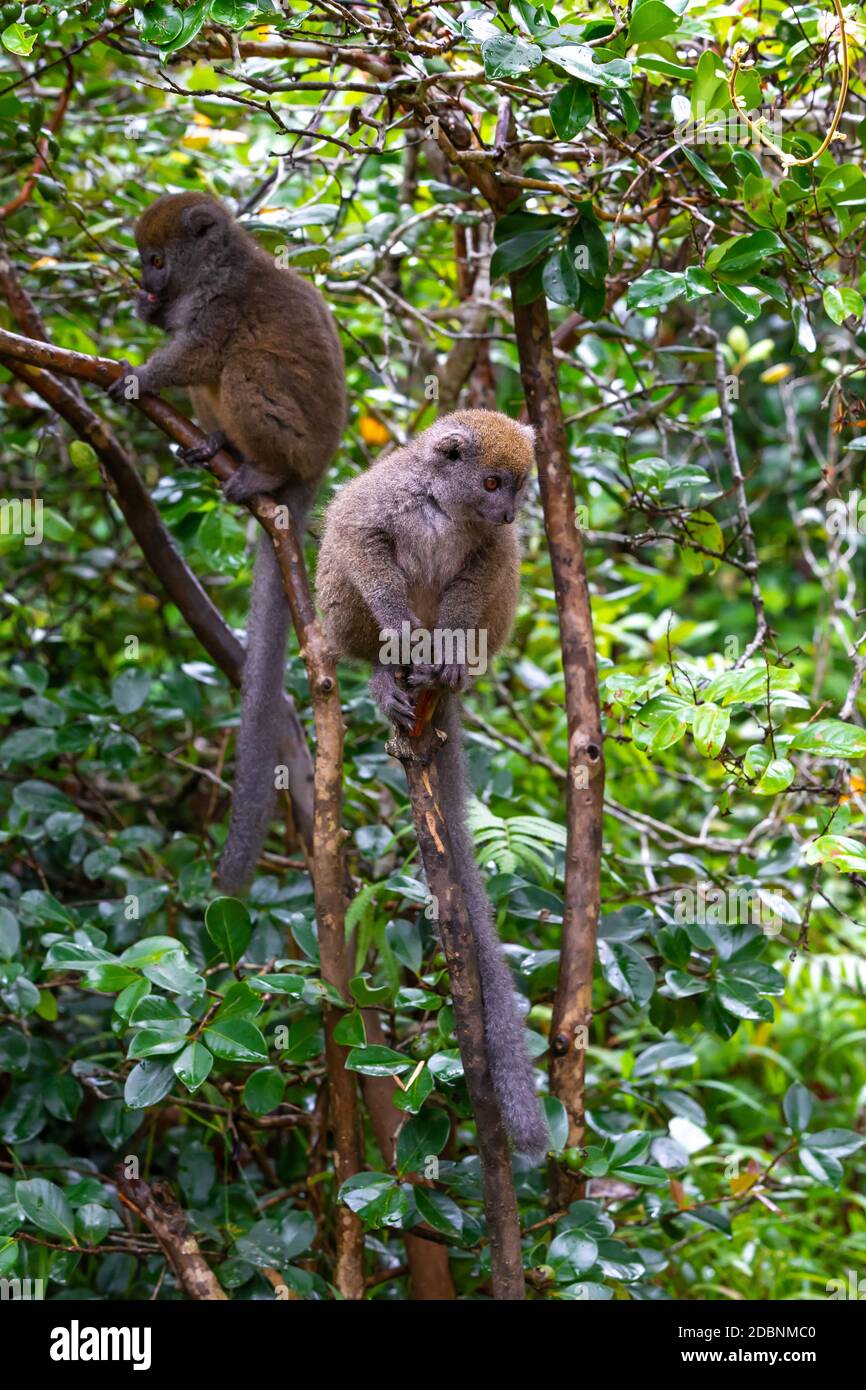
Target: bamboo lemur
column 425, row 538
column 258, row 350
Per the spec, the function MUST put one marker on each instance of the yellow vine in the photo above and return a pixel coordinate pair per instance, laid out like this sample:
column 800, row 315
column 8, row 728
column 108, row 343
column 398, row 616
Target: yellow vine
column 740, row 51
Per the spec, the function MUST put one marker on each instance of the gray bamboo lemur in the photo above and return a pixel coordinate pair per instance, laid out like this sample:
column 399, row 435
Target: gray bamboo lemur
column 258, row 350
column 424, row 538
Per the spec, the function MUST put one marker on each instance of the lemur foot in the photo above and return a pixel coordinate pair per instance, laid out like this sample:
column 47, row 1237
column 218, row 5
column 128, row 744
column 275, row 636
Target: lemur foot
column 395, row 702
column 204, row 452
column 249, row 480
column 446, row 676
column 118, row 388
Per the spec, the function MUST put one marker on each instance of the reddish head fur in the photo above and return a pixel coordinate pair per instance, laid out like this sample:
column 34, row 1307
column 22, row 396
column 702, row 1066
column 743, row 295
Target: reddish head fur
column 164, row 218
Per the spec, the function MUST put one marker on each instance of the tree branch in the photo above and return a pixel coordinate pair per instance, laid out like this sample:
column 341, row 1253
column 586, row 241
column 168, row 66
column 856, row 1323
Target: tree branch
column 156, row 1205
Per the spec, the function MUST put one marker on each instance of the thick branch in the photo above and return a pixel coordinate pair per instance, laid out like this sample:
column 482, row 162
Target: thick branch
column 572, row 1009
column 585, row 786
column 161, row 1212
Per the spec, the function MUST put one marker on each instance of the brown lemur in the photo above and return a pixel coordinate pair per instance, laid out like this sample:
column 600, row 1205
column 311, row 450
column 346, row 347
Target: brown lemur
column 259, row 352
column 425, row 539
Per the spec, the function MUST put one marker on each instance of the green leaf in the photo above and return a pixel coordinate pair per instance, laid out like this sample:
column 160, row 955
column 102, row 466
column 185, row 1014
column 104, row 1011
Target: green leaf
column 229, row 927
column 561, row 283
column 741, row 253
column 192, row 20
column 62, row 1096
column 506, row 55
column 193, row 1066
column 654, row 289
column 160, row 22
column 151, row 1042
column 842, row 851
column 236, row 1040
column 147, row 1084
column 264, row 1090
column 17, row 38
column 43, row 1203
column 521, row 250
column 709, row 729
column 703, row 529
column 741, row 1000
column 823, row 1167
column 349, row 1031
column 422, row 1137
column 841, row 303
column 234, row 14
column 797, row 1106
column 92, row 1222
column 746, row 304
column 130, row 690
column 363, row 1190
column 651, row 20
column 578, row 61
column 707, row 174
column 438, row 1210
column 626, row 971
column 150, row 950
column 571, row 110
column 378, row 1061
column 832, row 738
column 841, row 1143
column 777, row 775
column 10, row 935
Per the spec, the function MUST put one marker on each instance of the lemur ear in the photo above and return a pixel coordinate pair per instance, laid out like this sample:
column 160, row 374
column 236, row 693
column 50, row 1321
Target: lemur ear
column 201, row 219
column 450, row 446
column 529, row 431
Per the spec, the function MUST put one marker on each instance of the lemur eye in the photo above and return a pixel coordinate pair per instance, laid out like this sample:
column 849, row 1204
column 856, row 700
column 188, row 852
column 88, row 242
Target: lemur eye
column 492, row 484
column 157, row 262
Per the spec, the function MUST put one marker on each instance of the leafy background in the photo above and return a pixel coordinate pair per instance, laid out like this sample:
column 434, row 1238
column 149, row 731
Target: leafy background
column 144, row 1017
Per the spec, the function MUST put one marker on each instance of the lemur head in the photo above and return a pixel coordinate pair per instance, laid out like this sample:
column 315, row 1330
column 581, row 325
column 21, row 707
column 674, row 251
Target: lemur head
column 479, row 461
column 179, row 239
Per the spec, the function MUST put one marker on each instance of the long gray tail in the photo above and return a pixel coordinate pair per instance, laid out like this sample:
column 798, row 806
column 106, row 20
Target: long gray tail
column 261, row 725
column 511, row 1070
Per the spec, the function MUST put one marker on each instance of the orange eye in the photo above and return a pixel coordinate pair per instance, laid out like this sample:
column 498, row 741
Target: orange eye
column 157, row 262
column 491, row 484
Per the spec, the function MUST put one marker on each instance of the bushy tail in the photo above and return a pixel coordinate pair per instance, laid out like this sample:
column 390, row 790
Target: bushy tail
column 262, row 725
column 510, row 1067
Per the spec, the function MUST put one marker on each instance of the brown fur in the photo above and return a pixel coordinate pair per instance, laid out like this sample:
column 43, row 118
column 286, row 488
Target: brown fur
column 258, row 350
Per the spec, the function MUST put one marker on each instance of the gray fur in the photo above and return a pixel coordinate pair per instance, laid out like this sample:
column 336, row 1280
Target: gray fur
column 419, row 539
column 511, row 1069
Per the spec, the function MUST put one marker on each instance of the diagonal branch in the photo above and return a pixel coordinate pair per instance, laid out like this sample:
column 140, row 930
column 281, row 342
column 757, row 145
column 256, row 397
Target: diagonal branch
column 156, row 1205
